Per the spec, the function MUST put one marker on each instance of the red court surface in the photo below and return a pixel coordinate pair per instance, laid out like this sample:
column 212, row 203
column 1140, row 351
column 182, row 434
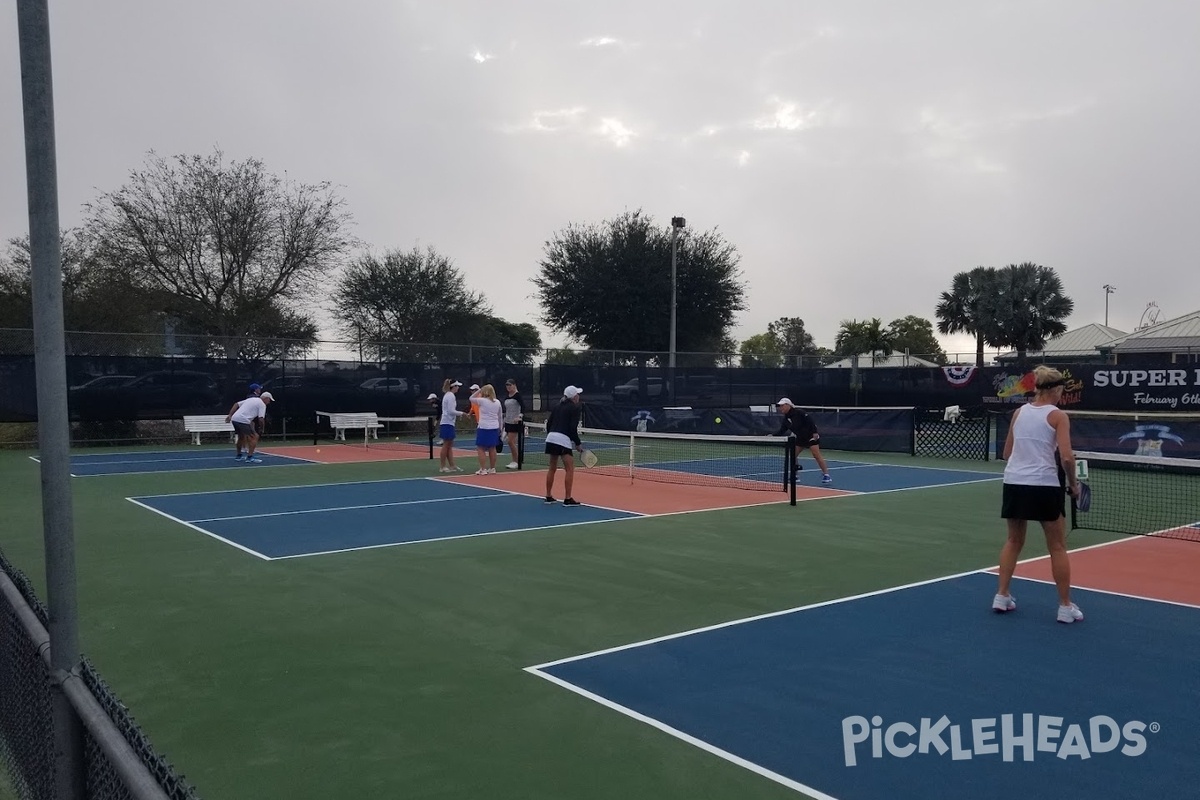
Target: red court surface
column 1143, row 566
column 639, row 497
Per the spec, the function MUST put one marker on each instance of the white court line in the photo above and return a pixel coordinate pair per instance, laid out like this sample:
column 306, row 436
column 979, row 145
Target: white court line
column 1126, row 595
column 538, row 669
column 347, row 508
column 182, row 471
column 291, row 486
column 458, row 536
column 229, row 542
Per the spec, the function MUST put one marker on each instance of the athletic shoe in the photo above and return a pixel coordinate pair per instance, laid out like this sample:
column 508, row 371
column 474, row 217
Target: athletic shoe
column 490, row 471
column 549, row 500
column 826, row 479
column 1004, row 602
column 481, row 472
column 571, row 501
column 1068, row 614
column 456, row 469
column 445, row 469
column 254, row 460
column 512, row 465
column 240, row 457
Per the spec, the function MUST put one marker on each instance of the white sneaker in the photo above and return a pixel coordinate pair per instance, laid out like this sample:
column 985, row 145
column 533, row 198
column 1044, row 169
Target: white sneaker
column 512, row 465
column 1069, row 614
column 1002, row 603
column 445, row 469
column 481, row 472
column 490, row 471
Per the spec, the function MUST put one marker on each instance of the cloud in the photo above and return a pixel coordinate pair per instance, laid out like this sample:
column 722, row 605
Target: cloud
column 482, row 57
column 615, row 131
column 600, row 41
column 791, row 116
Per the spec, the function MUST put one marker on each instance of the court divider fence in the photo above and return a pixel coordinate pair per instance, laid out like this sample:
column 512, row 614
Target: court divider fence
column 119, row 762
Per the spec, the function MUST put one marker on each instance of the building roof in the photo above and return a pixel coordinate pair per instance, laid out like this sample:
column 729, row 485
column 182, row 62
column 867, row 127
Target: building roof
column 1079, row 342
column 869, row 360
column 1179, row 333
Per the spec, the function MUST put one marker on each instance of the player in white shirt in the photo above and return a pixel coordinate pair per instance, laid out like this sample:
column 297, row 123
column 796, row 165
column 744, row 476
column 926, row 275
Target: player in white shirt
column 490, row 414
column 446, row 429
column 249, row 420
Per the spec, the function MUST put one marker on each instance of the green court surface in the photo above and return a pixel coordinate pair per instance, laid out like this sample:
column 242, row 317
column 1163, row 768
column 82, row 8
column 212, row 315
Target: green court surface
column 399, row 671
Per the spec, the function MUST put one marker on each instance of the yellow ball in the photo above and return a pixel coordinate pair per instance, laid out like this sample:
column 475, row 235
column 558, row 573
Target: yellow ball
column 318, row 449
column 718, row 420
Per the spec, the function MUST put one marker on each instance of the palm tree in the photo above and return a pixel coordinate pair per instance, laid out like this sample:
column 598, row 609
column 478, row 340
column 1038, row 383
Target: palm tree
column 964, row 309
column 856, row 337
column 1030, row 307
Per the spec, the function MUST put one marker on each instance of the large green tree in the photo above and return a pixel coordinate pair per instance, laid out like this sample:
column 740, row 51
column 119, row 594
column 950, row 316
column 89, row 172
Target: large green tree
column 608, row 286
column 226, row 245
column 966, row 308
column 761, row 350
column 415, row 305
column 915, row 334
column 1029, row 307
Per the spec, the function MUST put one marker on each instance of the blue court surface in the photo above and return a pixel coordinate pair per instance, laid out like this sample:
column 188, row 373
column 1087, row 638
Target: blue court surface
column 328, row 518
column 924, row 692
column 861, row 476
column 133, row 463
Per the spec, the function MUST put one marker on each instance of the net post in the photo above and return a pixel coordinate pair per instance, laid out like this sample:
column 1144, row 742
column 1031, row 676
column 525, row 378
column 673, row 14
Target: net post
column 316, row 430
column 790, row 453
column 912, row 431
column 520, row 454
column 429, row 435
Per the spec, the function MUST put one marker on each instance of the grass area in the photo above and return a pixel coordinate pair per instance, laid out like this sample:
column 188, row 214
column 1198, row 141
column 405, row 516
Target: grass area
column 399, row 671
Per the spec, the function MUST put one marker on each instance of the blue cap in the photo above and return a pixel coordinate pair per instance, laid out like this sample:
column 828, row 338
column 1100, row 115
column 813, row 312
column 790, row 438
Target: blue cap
column 254, row 387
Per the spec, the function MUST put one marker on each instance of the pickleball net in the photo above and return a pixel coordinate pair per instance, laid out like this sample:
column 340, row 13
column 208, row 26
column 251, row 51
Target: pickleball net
column 1141, row 495
column 401, row 435
column 758, row 463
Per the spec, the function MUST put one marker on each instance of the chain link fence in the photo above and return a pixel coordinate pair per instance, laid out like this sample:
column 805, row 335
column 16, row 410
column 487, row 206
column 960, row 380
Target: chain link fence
column 966, row 437
column 119, row 762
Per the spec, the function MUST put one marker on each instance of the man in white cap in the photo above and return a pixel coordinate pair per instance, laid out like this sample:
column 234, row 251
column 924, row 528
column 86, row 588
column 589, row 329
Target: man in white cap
column 562, row 437
column 799, row 425
column 250, row 420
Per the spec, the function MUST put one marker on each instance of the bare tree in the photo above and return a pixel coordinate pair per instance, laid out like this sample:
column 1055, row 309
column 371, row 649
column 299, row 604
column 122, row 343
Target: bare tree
column 228, row 243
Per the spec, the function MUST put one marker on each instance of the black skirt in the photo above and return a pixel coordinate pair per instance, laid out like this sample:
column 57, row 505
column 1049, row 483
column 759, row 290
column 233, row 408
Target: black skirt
column 1037, row 503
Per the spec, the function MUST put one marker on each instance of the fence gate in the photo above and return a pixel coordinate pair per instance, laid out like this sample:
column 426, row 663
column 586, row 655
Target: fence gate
column 967, row 435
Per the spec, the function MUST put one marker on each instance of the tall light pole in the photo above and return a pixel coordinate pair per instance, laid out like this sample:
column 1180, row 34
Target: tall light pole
column 1108, row 289
column 676, row 224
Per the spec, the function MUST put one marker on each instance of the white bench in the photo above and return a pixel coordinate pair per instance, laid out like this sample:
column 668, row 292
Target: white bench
column 367, row 421
column 208, row 423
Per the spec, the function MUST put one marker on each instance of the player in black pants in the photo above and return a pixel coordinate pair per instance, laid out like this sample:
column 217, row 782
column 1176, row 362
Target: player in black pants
column 798, row 424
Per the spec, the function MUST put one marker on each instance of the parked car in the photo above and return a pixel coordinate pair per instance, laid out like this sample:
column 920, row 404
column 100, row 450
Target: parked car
column 631, row 391
column 385, row 384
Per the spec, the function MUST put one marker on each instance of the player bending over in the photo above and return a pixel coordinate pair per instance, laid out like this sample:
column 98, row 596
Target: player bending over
column 800, row 426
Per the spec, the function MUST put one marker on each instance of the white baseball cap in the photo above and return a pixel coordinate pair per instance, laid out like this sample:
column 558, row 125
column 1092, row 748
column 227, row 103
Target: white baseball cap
column 432, row 396
column 266, row 396
column 785, row 402
column 474, row 386
column 457, row 383
column 572, row 391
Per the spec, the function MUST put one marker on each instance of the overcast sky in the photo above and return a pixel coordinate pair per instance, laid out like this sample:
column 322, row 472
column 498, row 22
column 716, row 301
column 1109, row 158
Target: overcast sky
column 857, row 154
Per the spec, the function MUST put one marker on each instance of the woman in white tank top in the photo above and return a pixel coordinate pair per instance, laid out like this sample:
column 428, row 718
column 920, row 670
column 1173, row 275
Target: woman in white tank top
column 1040, row 466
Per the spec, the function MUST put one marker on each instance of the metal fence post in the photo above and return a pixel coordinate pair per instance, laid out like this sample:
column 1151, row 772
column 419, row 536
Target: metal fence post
column 54, row 437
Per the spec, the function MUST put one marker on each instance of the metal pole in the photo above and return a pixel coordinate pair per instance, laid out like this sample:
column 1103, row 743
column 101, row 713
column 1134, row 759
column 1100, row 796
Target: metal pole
column 674, row 255
column 1108, row 289
column 54, row 436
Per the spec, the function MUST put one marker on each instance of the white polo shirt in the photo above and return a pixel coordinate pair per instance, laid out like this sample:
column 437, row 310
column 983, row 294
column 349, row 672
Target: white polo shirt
column 249, row 410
